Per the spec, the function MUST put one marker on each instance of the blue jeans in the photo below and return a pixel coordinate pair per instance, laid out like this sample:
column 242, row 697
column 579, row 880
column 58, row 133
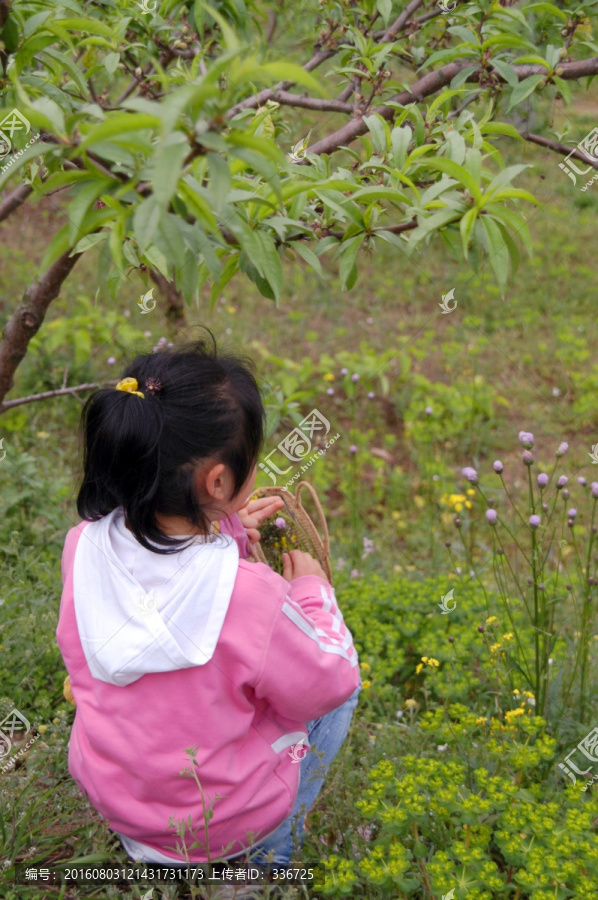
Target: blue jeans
column 326, row 736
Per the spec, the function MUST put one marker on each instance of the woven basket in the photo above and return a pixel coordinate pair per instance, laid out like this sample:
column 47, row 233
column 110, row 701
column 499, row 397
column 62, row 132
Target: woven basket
column 308, row 537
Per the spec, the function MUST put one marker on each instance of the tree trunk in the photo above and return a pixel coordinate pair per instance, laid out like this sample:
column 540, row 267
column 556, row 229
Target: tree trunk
column 175, row 304
column 28, row 317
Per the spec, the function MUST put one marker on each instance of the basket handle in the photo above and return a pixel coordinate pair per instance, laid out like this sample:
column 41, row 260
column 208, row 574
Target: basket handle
column 323, row 525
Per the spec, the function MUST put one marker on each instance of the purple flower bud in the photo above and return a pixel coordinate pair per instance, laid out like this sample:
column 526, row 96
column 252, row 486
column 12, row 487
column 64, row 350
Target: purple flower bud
column 147, row 334
column 572, row 513
column 566, row 494
column 581, row 480
column 371, row 395
column 457, row 522
column 111, row 360
column 497, row 466
column 447, row 544
column 428, row 410
column 280, row 523
column 562, row 448
column 569, row 587
column 490, row 501
column 527, row 439
column 344, row 371
column 500, row 551
column 562, row 481
column 481, row 629
column 352, row 449
column 542, row 479
column 527, row 458
column 470, row 474
column 491, row 516
column 545, row 507
column 451, row 639
column 355, row 377
column 570, row 523
column 594, row 487
column 534, row 521
column 330, row 392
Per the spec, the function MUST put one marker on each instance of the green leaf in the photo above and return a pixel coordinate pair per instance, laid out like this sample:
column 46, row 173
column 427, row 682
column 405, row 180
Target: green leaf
column 400, row 139
column 497, row 250
column 506, row 71
column 119, row 125
column 348, row 251
column 157, row 260
column 309, row 256
column 564, row 89
column 379, row 130
column 110, row 62
column 466, row 227
column 458, row 173
column 84, row 196
column 384, row 7
column 89, row 241
column 524, row 89
column 271, row 264
column 145, row 221
column 166, row 168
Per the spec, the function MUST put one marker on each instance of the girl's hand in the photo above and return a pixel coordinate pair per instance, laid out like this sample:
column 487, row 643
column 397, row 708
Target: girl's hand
column 255, row 512
column 298, row 563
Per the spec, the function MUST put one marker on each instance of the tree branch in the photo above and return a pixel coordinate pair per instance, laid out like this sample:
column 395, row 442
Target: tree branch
column 562, row 149
column 59, row 392
column 28, row 317
column 400, row 23
column 14, row 200
column 434, row 81
column 321, row 105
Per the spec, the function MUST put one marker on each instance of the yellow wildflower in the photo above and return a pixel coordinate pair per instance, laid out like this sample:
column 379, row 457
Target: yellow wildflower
column 490, row 620
column 424, row 659
column 366, row 684
column 433, row 662
column 471, row 492
column 508, row 637
column 328, row 376
column 418, row 668
column 365, row 667
column 42, row 435
column 516, row 692
column 482, row 720
column 231, row 310
column 419, row 501
column 458, row 507
column 42, row 729
column 410, row 704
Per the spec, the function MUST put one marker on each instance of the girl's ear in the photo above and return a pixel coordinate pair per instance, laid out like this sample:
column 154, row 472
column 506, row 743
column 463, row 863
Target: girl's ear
column 214, row 482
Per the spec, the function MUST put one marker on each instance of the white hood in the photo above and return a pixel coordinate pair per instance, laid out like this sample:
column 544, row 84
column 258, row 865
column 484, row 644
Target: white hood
column 140, row 612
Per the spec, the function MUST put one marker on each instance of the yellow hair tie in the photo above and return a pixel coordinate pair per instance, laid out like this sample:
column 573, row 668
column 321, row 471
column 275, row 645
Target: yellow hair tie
column 130, row 386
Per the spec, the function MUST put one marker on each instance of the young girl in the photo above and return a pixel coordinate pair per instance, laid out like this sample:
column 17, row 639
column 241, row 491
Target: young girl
column 173, row 639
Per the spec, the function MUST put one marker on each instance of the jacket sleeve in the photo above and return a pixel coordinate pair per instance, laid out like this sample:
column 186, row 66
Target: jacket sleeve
column 233, row 527
column 311, row 665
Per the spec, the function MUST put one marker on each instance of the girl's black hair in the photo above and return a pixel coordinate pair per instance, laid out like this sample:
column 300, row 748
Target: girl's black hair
column 140, row 453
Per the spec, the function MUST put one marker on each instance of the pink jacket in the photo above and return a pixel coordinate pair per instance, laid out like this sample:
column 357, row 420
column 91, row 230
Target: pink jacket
column 249, row 660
